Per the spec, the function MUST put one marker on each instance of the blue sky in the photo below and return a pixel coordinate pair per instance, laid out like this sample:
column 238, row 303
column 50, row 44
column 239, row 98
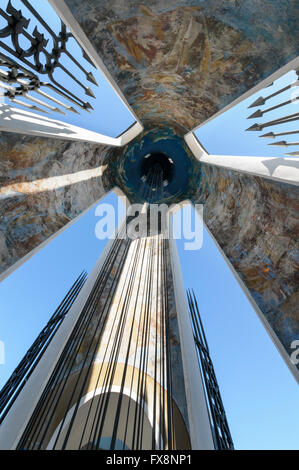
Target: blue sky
column 259, row 393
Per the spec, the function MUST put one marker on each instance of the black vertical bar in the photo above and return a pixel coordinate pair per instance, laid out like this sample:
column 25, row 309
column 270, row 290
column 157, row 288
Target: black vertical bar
column 221, row 433
column 21, row 374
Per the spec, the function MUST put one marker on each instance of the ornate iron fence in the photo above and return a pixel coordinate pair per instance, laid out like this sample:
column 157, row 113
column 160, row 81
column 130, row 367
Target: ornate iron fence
column 38, row 60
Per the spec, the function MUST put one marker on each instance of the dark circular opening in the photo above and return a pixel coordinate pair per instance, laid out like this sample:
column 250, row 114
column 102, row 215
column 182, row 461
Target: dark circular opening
column 158, row 158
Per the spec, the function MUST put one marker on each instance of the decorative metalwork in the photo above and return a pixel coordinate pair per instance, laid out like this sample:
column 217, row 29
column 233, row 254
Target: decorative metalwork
column 261, row 101
column 19, row 377
column 89, row 330
column 39, row 59
column 275, row 122
column 220, row 428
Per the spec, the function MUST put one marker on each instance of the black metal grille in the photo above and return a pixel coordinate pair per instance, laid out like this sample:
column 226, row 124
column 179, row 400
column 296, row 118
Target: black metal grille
column 39, row 59
column 221, row 432
column 19, row 377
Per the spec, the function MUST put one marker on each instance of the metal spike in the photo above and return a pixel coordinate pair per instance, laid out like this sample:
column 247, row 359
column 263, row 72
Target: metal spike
column 293, row 154
column 87, row 106
column 270, row 135
column 275, row 122
column 86, row 57
column 90, row 78
column 64, row 95
column 55, row 100
column 51, row 98
column 259, row 102
column 73, row 110
column 259, row 113
column 35, row 108
column 29, row 106
column 255, row 127
column 281, row 143
column 59, row 111
column 284, row 143
column 89, row 92
column 42, row 103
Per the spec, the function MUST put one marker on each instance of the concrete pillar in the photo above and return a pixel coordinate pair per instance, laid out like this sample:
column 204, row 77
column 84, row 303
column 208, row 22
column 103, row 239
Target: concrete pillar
column 199, row 419
column 134, row 340
column 252, row 220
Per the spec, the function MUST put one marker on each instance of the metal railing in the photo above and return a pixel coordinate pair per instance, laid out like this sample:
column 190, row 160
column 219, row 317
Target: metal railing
column 285, row 119
column 42, row 58
column 21, row 374
column 220, row 428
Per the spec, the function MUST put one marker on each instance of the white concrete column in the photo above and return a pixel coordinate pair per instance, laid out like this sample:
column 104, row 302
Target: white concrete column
column 284, row 169
column 198, row 414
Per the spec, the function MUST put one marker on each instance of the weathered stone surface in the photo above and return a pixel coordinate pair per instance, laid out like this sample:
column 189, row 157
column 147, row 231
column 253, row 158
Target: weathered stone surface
column 256, row 223
column 45, row 183
column 182, row 61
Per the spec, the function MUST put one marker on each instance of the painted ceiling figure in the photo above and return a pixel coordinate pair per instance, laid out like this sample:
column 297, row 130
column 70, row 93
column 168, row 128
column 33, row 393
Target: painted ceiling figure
column 176, row 64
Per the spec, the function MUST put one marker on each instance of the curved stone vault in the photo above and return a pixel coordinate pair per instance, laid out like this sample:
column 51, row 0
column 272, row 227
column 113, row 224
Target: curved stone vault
column 177, row 63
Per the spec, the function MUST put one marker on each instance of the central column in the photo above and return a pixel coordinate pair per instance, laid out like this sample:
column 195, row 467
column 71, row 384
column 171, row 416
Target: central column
column 118, row 383
column 127, row 375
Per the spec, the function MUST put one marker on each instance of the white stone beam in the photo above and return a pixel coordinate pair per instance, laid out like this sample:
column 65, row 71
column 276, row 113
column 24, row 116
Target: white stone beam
column 200, row 428
column 284, row 169
column 24, row 122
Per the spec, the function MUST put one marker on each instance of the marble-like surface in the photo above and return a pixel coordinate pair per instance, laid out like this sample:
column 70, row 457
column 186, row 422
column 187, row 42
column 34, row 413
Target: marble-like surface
column 256, row 223
column 45, row 183
column 181, row 61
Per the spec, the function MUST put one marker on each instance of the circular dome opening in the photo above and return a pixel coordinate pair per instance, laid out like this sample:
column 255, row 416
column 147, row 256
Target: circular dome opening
column 152, row 159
